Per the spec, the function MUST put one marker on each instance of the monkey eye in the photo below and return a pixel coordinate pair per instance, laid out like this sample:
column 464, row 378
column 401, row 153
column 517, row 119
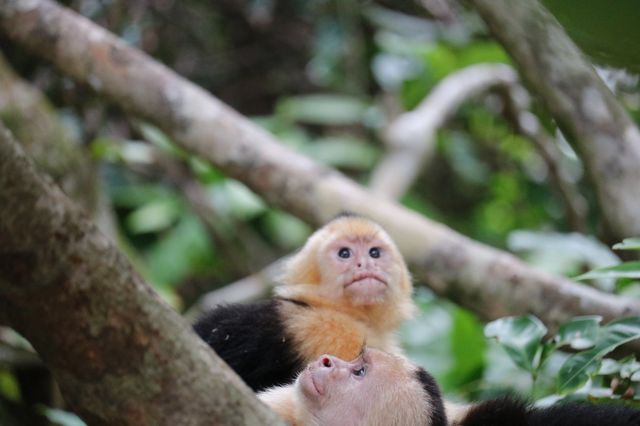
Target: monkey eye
column 360, row 372
column 344, row 253
column 374, row 252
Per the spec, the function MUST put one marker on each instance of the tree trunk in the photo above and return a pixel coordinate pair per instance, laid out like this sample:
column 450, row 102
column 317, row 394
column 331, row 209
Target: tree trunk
column 120, row 355
column 596, row 124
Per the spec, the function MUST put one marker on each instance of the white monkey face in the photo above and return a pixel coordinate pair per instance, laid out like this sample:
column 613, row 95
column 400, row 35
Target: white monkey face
column 374, row 389
column 359, row 262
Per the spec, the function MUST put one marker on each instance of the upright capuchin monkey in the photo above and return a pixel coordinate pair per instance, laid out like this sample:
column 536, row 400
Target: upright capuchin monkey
column 379, row 389
column 347, row 286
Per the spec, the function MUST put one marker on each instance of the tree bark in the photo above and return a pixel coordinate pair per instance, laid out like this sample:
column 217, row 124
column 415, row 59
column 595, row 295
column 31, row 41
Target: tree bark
column 119, row 353
column 599, row 128
column 485, row 280
column 32, row 119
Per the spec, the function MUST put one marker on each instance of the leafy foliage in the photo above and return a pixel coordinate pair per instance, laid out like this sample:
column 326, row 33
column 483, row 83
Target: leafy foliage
column 586, row 370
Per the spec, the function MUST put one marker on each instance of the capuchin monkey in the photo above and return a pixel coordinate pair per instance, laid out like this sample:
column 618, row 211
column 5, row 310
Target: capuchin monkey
column 379, row 389
column 347, row 286
column 375, row 389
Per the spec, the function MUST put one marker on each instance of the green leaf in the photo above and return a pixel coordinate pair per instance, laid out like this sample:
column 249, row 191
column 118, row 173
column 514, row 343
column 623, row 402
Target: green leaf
column 468, row 348
column 9, row 387
column 580, row 332
column 343, row 152
column 155, row 216
column 577, row 368
column 628, row 244
column 623, row 270
column 608, row 366
column 629, row 367
column 323, row 109
column 520, row 336
column 160, row 139
column 180, row 252
column 60, row 417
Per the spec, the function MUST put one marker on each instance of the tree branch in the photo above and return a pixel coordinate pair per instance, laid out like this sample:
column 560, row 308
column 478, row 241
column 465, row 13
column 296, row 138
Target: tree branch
column 524, row 122
column 488, row 281
column 120, row 355
column 411, row 136
column 30, row 116
column 597, row 125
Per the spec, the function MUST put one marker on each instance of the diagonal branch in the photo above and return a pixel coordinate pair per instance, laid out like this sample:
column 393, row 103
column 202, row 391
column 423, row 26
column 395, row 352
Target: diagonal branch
column 120, row 355
column 486, row 280
column 597, row 125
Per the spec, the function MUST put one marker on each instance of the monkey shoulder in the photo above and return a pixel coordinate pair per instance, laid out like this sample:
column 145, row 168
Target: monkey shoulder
column 584, row 414
column 252, row 340
column 514, row 412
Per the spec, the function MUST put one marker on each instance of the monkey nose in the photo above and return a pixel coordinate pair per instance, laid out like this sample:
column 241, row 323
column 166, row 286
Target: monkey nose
column 327, row 361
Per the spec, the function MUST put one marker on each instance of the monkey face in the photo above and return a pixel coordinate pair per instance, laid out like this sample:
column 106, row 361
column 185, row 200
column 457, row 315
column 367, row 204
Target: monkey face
column 351, row 262
column 374, row 389
column 361, row 264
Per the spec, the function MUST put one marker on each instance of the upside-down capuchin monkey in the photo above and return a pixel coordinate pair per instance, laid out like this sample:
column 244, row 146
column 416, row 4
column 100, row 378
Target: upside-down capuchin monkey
column 375, row 389
column 347, row 286
column 380, row 389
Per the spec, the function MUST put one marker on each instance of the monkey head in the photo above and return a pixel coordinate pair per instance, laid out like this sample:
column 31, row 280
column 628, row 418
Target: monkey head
column 374, row 389
column 351, row 259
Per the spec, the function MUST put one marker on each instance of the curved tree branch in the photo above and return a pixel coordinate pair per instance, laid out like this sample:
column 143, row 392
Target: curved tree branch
column 486, row 280
column 597, row 125
column 120, row 355
column 411, row 136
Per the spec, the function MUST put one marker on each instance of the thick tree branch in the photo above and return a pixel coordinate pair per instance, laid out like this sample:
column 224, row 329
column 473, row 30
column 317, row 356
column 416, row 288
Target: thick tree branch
column 488, row 281
column 120, row 355
column 598, row 126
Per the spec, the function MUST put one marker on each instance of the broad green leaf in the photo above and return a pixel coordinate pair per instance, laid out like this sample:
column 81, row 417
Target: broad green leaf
column 520, row 336
column 628, row 368
column 576, row 370
column 624, row 270
column 183, row 250
column 468, row 347
column 286, row 230
column 9, row 387
column 343, row 152
column 133, row 196
column 608, row 366
column 244, row 202
column 580, row 332
column 155, row 216
column 628, row 244
column 323, row 109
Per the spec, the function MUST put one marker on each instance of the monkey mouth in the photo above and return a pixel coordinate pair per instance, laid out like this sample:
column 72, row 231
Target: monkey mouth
column 366, row 276
column 315, row 385
column 309, row 384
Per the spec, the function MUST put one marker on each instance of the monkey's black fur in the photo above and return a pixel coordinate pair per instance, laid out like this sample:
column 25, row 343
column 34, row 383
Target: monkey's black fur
column 251, row 339
column 513, row 412
column 436, row 407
